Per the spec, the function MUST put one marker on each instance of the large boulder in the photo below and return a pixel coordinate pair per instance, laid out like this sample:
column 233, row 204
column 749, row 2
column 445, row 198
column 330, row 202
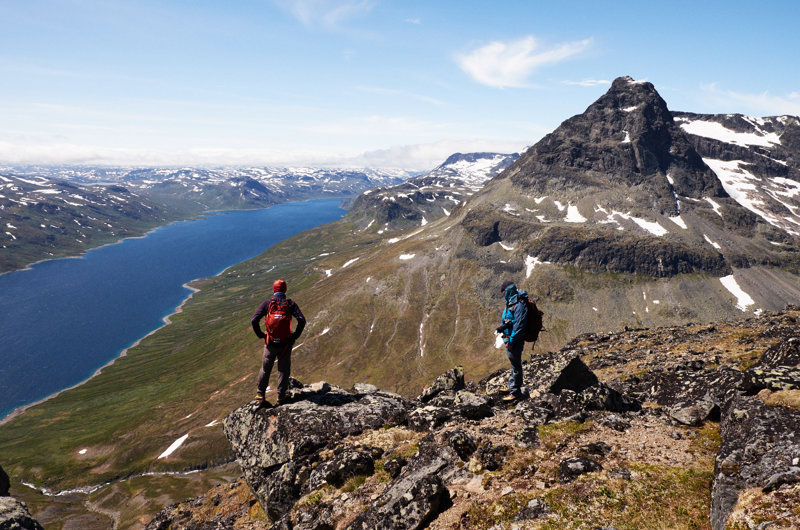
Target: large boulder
column 784, row 353
column 14, row 515
column 413, row 499
column 452, row 380
column 548, row 373
column 759, row 449
column 272, row 444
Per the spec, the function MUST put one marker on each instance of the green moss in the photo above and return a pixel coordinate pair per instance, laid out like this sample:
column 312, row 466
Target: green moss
column 552, row 434
column 354, row 483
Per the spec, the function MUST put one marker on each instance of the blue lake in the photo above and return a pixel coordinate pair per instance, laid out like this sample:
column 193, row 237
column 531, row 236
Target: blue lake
column 63, row 319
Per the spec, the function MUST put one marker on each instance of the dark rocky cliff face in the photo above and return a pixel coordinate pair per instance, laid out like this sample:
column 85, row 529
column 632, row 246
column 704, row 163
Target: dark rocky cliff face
column 625, row 138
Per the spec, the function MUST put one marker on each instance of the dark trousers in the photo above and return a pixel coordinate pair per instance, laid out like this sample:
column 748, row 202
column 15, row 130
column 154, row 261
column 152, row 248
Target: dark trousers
column 282, row 352
column 514, row 354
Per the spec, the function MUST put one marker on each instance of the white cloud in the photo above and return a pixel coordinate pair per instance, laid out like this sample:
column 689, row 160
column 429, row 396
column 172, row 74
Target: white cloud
column 419, row 157
column 412, row 20
column 763, row 103
column 423, row 157
column 510, row 64
column 326, row 13
column 588, row 82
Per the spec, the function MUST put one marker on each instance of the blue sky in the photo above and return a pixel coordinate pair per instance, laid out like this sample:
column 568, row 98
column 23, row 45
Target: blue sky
column 362, row 82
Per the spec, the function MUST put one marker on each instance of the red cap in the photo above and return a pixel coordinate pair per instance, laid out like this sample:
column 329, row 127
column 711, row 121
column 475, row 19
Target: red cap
column 279, row 286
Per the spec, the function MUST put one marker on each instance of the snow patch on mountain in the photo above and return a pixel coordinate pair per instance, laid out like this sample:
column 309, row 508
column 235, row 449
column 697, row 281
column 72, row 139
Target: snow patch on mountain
column 743, row 300
column 717, row 131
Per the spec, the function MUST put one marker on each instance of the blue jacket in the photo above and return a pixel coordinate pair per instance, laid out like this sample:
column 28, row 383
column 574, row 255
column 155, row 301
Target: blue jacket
column 516, row 311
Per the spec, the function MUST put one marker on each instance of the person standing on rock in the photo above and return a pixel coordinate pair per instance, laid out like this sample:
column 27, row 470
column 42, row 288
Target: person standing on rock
column 514, row 324
column 277, row 312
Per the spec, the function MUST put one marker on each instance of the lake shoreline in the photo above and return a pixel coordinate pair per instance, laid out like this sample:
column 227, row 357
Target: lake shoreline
column 165, row 322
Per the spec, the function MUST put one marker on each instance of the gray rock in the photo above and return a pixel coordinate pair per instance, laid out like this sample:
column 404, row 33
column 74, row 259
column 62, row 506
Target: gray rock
column 620, row 473
column 571, row 468
column 14, row 515
column 394, row 466
column 548, row 373
column 777, row 480
column 532, row 412
column 596, row 449
column 428, row 418
column 527, row 437
column 758, row 445
column 693, row 413
column 462, row 443
column 452, row 380
column 365, row 388
column 472, row 406
column 775, row 378
column 614, row 422
column 269, row 444
column 535, row 509
column 341, row 468
column 784, row 353
column 411, row 501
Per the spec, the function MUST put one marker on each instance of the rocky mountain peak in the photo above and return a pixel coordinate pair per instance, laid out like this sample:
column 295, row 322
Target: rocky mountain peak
column 626, row 138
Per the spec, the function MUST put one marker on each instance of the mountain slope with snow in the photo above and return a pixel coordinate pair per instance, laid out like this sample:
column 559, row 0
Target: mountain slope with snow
column 51, row 212
column 420, row 200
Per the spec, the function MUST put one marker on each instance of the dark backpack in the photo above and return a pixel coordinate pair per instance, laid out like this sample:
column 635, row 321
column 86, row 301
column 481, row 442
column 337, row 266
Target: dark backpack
column 278, row 320
column 535, row 322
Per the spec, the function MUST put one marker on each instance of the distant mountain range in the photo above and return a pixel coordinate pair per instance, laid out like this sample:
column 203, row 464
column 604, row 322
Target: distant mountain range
column 49, row 212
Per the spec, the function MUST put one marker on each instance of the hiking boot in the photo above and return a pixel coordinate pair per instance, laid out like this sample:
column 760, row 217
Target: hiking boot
column 511, row 398
column 282, row 401
column 503, row 391
column 260, row 397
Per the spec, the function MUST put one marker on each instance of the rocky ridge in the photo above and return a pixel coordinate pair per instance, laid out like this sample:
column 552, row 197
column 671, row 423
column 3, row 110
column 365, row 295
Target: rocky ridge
column 686, row 425
column 425, row 198
column 14, row 515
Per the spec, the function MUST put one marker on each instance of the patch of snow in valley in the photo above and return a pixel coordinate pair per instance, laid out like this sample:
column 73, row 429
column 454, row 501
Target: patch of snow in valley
column 594, row 308
column 424, row 221
column 446, row 212
column 630, row 109
column 717, row 131
column 679, row 221
column 538, row 200
column 350, row 262
column 328, row 272
column 573, row 215
column 505, row 247
column 713, row 205
column 407, row 256
column 531, row 262
column 324, row 331
column 627, row 138
column 656, row 302
column 510, row 209
column 743, row 300
column 713, row 244
column 82, row 452
column 171, row 449
column 212, row 423
column 560, row 206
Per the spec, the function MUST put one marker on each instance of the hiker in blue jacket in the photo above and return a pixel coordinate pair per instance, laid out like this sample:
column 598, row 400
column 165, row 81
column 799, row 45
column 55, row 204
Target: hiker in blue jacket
column 514, row 323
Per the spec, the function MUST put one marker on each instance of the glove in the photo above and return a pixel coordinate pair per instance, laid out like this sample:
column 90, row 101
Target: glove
column 261, row 336
column 500, row 329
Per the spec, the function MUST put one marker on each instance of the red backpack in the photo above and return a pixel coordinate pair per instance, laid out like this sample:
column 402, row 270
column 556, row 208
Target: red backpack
column 278, row 320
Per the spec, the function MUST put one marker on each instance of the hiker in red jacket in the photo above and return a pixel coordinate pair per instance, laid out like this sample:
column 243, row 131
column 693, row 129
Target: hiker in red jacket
column 279, row 338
